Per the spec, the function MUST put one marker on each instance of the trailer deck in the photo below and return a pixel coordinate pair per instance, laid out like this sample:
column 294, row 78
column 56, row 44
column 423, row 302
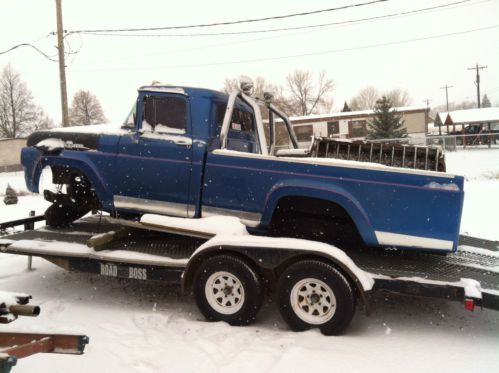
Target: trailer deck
column 149, row 254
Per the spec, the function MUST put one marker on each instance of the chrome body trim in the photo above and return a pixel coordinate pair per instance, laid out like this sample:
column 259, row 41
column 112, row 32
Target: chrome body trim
column 154, row 206
column 250, row 219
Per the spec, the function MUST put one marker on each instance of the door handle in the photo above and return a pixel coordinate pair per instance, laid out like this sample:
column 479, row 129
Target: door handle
column 182, row 143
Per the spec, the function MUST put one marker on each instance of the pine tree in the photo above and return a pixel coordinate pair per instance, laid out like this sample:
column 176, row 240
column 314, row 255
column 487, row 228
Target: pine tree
column 486, row 101
column 346, row 108
column 386, row 124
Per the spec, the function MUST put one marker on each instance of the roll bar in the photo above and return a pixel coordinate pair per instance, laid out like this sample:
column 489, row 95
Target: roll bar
column 258, row 118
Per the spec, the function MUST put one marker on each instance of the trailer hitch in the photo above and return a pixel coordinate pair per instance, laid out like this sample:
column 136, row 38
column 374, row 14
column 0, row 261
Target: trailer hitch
column 14, row 346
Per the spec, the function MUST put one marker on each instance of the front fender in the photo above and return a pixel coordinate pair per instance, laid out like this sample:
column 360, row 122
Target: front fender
column 31, row 161
column 34, row 161
column 325, row 191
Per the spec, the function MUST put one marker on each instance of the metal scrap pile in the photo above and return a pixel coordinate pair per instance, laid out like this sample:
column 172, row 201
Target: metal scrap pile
column 421, row 157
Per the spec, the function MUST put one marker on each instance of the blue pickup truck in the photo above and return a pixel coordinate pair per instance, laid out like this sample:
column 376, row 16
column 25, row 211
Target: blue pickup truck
column 191, row 152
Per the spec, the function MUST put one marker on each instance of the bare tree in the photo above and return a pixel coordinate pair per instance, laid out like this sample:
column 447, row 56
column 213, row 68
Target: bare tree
column 86, row 109
column 310, row 97
column 43, row 121
column 399, row 97
column 260, row 85
column 456, row 105
column 19, row 115
column 307, row 96
column 365, row 99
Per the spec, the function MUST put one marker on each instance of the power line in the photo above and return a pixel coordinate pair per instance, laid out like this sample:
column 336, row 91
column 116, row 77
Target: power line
column 31, row 46
column 344, row 23
column 253, row 20
column 331, row 51
column 366, row 19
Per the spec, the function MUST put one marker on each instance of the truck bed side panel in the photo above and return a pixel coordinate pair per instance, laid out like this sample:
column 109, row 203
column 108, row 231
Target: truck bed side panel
column 403, row 209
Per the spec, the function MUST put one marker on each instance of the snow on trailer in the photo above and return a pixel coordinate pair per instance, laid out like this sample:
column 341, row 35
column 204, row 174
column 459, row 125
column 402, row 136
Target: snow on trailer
column 227, row 269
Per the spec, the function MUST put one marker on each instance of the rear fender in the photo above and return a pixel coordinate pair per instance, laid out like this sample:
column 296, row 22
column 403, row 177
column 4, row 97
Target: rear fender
column 325, row 191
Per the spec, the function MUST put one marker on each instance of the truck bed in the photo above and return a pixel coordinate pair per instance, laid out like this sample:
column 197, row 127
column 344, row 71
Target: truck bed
column 166, row 254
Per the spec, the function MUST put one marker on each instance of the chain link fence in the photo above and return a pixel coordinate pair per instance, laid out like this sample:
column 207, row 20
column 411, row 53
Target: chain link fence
column 450, row 142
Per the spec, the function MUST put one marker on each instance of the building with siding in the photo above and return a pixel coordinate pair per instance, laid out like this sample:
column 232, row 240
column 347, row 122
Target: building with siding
column 10, row 154
column 354, row 124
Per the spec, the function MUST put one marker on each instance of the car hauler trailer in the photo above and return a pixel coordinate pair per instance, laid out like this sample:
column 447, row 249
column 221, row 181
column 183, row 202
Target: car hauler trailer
column 316, row 284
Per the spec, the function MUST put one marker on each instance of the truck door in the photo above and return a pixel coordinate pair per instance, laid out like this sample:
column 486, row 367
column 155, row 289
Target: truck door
column 154, row 163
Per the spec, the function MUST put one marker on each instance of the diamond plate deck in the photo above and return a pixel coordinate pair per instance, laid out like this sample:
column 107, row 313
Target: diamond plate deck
column 138, row 240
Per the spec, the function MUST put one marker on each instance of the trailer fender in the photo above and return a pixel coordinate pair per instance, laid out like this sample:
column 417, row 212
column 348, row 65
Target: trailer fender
column 274, row 255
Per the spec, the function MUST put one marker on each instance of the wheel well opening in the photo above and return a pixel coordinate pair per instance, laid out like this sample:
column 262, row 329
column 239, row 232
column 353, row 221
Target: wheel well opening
column 315, row 219
column 78, row 185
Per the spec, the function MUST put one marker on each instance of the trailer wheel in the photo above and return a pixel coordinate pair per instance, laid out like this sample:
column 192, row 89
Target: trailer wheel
column 61, row 214
column 314, row 294
column 228, row 289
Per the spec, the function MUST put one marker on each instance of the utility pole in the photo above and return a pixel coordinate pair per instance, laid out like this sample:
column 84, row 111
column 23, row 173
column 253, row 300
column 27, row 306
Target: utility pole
column 62, row 65
column 446, row 87
column 427, row 101
column 477, row 81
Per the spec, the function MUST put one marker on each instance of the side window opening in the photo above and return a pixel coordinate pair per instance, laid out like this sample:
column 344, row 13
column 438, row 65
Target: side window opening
column 165, row 114
column 242, row 120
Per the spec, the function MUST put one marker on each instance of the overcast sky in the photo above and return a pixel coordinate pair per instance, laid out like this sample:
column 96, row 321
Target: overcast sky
column 113, row 67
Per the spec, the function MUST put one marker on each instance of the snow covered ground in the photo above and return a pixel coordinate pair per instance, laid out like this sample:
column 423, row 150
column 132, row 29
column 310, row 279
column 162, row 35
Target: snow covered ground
column 140, row 327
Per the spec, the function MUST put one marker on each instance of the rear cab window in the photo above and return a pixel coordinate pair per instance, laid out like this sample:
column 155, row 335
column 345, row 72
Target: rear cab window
column 243, row 135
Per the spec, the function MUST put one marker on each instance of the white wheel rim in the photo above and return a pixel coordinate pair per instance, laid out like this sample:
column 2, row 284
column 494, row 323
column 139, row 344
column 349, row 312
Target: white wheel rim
column 224, row 293
column 313, row 301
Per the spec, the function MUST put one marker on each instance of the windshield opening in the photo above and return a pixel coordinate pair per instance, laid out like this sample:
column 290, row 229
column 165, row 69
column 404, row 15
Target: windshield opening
column 129, row 122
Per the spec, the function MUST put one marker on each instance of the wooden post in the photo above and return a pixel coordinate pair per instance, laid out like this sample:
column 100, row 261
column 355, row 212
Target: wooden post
column 489, row 135
column 30, row 227
column 62, row 65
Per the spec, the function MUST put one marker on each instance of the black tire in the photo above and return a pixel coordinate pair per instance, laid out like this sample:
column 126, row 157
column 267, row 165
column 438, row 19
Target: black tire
column 244, row 287
column 61, row 214
column 329, row 308
column 78, row 201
